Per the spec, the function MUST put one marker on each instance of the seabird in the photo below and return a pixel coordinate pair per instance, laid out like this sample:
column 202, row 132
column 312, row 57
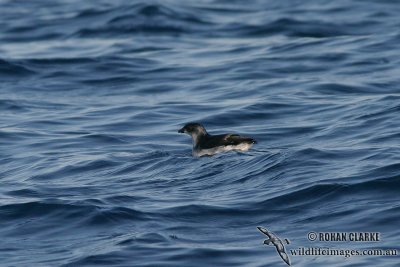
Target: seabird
column 207, row 144
column 277, row 242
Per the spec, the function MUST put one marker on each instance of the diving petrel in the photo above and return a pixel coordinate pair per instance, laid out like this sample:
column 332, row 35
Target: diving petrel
column 277, row 242
column 207, row 144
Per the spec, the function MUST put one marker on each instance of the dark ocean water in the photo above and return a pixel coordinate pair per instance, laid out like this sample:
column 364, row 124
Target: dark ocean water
column 92, row 93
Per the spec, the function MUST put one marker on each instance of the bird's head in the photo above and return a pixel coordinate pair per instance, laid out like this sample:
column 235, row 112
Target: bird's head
column 194, row 129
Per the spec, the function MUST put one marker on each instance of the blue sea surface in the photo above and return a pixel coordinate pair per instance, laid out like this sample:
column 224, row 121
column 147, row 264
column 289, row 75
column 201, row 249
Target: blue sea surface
column 94, row 173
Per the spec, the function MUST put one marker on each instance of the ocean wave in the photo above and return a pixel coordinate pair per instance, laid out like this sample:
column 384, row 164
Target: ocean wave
column 12, row 70
column 42, row 209
column 145, row 19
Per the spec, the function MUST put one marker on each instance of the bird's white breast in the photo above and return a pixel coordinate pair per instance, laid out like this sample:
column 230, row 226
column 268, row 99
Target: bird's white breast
column 219, row 149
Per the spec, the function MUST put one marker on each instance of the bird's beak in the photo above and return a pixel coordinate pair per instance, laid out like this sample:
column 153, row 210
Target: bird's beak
column 181, row 130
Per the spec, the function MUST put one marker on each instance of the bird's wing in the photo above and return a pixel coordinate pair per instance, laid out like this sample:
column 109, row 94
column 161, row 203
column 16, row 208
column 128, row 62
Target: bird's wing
column 280, row 248
column 235, row 139
column 265, row 231
column 284, row 256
